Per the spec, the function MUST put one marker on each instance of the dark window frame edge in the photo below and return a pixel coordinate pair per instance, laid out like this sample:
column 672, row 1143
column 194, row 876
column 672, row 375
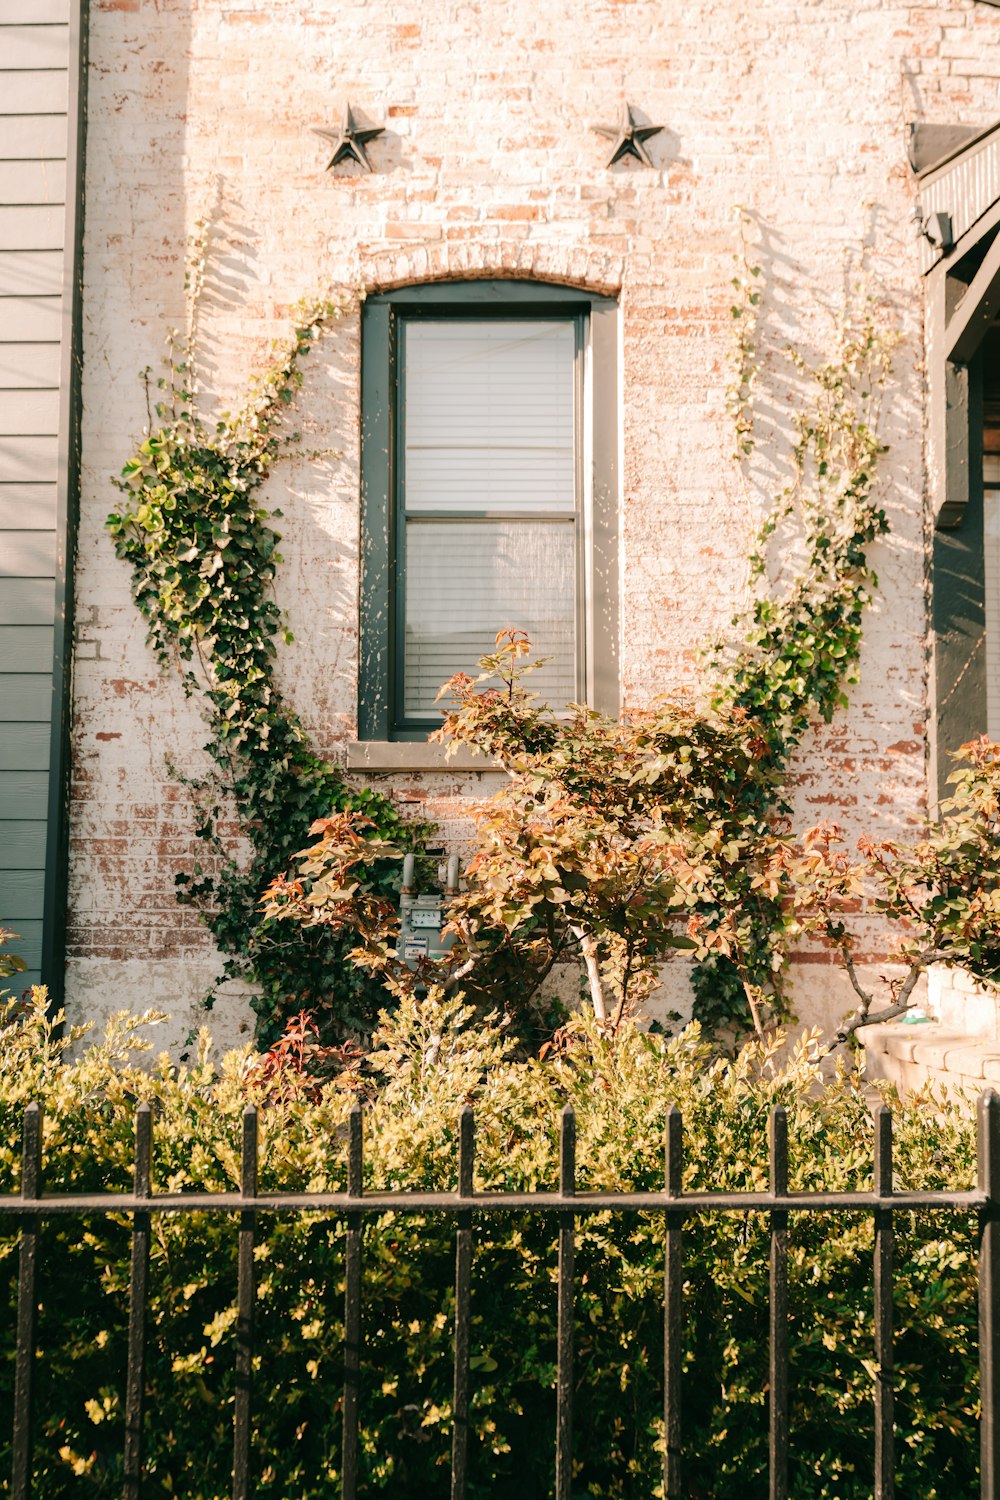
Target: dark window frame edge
column 379, row 439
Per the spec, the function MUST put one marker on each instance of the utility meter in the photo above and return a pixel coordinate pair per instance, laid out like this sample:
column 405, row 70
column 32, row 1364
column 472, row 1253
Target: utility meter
column 421, row 918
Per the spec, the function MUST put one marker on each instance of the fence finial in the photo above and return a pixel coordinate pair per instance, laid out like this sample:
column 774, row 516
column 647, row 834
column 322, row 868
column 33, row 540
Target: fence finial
column 882, row 1119
column 248, row 1164
column 674, row 1148
column 466, row 1148
column 143, row 1169
column 777, row 1139
column 567, row 1151
column 355, row 1150
column 989, row 1144
column 31, row 1151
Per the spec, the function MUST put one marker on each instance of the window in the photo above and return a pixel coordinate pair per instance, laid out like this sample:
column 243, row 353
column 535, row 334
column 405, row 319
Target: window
column 489, row 493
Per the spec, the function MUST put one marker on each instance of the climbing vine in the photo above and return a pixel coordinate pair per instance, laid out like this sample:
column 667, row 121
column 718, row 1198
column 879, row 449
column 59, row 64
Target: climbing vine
column 203, row 553
column 801, row 645
column 743, row 351
column 792, row 657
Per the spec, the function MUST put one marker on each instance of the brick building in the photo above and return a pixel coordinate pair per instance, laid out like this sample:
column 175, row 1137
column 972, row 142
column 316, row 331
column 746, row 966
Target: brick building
column 840, row 126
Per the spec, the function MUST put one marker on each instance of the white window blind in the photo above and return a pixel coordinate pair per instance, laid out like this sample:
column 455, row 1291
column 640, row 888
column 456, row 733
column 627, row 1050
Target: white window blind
column 489, row 416
column 468, row 579
column 490, row 499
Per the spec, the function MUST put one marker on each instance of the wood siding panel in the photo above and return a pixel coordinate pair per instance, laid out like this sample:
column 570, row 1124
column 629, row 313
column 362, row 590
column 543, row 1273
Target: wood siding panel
column 21, row 894
column 27, row 601
column 24, row 747
column 32, row 227
column 40, row 12
column 26, row 648
column 28, row 554
column 25, row 182
column 28, row 93
column 34, row 47
column 22, row 844
column 32, row 137
column 33, row 460
column 27, row 507
column 30, row 273
column 29, row 367
column 24, row 794
column 27, row 319
column 24, row 697
column 36, row 134
column 24, row 412
column 28, row 947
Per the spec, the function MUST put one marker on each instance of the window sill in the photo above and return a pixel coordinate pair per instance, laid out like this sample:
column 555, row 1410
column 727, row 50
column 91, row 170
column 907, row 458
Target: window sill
column 413, row 755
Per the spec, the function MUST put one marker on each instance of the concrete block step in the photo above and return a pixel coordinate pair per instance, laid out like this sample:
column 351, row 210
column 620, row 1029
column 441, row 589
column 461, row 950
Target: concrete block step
column 915, row 1055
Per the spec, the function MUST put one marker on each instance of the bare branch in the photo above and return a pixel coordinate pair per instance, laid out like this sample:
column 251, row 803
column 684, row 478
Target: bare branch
column 626, row 978
column 754, row 993
column 901, row 1004
column 462, row 972
column 852, row 974
column 754, row 1011
column 856, row 1021
column 588, row 947
column 916, row 969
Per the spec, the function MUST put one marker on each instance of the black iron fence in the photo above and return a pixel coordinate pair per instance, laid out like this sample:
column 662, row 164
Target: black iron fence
column 464, row 1206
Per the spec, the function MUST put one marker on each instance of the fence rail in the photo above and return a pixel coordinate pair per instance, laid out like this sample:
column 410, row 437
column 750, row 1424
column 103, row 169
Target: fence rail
column 31, row 1205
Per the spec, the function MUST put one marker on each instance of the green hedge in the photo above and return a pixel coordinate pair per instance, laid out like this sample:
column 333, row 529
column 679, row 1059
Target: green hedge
column 428, row 1063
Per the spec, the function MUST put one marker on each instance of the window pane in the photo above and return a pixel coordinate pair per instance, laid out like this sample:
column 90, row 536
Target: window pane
column 489, row 415
column 465, row 580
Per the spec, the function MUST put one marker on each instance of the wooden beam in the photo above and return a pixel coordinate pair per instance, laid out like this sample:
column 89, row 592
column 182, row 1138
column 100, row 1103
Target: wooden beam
column 971, row 320
column 958, row 590
column 958, row 471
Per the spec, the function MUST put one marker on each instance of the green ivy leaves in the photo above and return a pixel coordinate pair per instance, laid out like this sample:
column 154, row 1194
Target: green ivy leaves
column 203, row 554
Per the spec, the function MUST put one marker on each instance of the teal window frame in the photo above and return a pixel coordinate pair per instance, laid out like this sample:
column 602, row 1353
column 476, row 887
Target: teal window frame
column 383, row 316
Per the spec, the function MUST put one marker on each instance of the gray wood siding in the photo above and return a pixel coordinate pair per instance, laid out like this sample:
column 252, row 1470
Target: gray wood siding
column 23, row 845
column 33, row 182
column 26, row 601
column 31, row 507
column 34, row 93
column 29, row 459
column 24, row 747
column 25, row 698
column 29, row 274
column 28, row 554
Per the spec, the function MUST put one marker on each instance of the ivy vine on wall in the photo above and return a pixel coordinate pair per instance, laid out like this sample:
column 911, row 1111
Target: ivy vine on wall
column 798, row 649
column 204, row 553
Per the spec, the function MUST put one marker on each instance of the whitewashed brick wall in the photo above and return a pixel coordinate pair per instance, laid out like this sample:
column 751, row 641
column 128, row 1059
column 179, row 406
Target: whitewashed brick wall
column 488, row 166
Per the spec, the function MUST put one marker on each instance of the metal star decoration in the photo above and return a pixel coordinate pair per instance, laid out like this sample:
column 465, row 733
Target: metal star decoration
column 349, row 141
column 628, row 137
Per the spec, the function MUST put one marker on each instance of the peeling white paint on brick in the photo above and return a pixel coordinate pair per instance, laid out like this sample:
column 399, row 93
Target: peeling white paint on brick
column 488, row 167
column 102, row 986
